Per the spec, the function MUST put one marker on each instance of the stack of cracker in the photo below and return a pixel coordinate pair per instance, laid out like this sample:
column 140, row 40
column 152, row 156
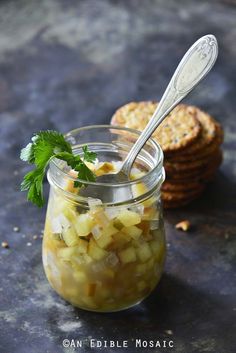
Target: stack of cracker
column 190, row 140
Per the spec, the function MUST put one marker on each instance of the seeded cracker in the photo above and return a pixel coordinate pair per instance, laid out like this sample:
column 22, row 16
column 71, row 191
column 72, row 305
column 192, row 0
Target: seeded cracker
column 190, row 139
column 207, row 135
column 179, row 130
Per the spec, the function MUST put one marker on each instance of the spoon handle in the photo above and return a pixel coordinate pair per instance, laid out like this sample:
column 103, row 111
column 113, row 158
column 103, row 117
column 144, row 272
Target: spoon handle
column 193, row 67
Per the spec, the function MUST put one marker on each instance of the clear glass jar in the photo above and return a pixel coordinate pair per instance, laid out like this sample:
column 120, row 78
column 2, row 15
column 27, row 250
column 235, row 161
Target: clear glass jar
column 104, row 245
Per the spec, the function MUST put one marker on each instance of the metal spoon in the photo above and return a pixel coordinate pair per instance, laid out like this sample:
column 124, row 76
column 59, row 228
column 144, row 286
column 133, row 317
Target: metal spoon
column 193, row 67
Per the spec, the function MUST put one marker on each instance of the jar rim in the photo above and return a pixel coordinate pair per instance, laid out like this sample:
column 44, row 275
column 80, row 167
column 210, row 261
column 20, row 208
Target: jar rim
column 159, row 162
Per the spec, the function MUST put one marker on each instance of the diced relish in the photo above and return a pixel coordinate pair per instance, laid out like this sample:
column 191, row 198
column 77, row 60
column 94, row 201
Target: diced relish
column 103, row 258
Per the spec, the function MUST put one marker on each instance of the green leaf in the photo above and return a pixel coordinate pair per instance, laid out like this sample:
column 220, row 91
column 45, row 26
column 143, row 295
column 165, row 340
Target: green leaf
column 77, row 184
column 46, row 145
column 33, row 182
column 76, row 163
column 89, row 156
column 84, row 173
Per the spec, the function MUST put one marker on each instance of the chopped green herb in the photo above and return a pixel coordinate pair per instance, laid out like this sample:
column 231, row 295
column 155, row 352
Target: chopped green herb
column 46, row 145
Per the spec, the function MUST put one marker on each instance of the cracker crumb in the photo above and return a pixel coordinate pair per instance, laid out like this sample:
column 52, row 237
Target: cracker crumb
column 35, row 237
column 29, row 243
column 15, row 172
column 5, row 245
column 169, row 332
column 183, row 225
column 16, row 229
column 226, row 236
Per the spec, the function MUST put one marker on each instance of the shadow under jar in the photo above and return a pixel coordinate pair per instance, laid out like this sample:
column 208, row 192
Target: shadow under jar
column 104, row 245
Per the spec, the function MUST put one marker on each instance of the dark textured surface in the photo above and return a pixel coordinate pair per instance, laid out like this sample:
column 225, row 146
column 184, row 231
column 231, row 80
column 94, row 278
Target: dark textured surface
column 65, row 64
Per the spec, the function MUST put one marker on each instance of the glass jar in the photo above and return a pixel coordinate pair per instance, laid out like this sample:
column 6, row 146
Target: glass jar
column 104, row 245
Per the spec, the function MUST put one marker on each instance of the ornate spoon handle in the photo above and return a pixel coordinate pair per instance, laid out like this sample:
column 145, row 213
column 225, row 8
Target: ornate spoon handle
column 193, row 67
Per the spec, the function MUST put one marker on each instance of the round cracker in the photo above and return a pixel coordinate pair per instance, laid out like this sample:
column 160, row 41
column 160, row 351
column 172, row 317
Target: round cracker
column 205, row 152
column 173, row 167
column 202, row 175
column 173, row 186
column 207, row 135
column 171, row 205
column 181, row 195
column 179, row 130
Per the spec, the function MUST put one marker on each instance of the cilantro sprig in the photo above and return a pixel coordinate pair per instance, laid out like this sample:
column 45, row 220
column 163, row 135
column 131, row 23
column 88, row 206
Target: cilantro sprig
column 46, row 145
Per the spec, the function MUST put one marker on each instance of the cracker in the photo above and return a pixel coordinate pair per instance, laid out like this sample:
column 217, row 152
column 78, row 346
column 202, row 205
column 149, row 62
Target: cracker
column 181, row 195
column 171, row 205
column 179, row 130
column 209, row 129
column 173, row 186
column 204, row 152
column 173, row 167
column 201, row 175
column 176, row 200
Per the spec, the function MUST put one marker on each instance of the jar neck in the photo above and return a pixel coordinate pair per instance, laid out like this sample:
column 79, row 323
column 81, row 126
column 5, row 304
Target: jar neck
column 109, row 194
column 111, row 145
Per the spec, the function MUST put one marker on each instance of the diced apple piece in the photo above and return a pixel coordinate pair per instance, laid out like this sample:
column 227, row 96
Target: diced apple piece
column 144, row 252
column 70, row 237
column 103, row 241
column 108, row 272
column 112, row 260
column 83, row 225
column 71, row 292
column 79, row 276
column 158, row 234
column 137, row 243
column 145, row 226
column 58, row 223
column 105, row 238
column 141, row 269
column 82, row 246
column 129, row 218
column 66, row 254
column 133, row 231
column 141, row 286
column 104, row 168
column 118, row 224
column 100, row 218
column 110, row 230
column 119, row 240
column 87, row 259
column 112, row 212
column 60, row 205
column 150, row 264
column 90, row 165
column 127, row 255
column 70, row 214
column 134, row 175
column 104, row 292
column 141, row 189
column 91, row 289
column 157, row 249
column 95, row 252
column 89, row 302
column 151, row 214
column 94, row 203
